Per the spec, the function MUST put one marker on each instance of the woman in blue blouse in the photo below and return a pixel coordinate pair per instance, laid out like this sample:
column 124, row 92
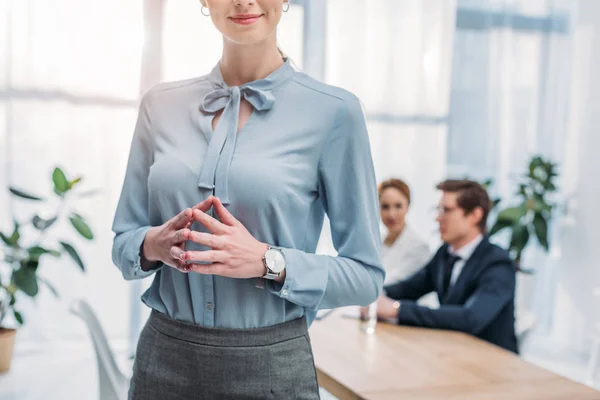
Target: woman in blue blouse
column 228, row 180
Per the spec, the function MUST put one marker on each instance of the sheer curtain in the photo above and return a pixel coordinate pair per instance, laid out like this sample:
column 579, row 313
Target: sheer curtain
column 510, row 100
column 69, row 82
column 70, row 77
column 396, row 57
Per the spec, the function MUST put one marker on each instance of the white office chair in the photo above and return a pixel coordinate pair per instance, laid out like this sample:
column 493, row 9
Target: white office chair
column 113, row 384
column 595, row 353
column 525, row 322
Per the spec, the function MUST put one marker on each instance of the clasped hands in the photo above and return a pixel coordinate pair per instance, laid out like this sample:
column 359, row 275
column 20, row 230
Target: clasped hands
column 233, row 253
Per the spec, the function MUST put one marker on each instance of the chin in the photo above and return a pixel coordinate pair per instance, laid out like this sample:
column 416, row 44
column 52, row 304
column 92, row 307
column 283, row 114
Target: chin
column 246, row 38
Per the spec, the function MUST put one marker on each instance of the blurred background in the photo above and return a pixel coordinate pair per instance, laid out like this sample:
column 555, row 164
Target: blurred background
column 450, row 88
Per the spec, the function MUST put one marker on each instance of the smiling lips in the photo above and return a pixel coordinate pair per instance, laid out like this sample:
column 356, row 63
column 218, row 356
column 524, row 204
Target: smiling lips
column 246, row 19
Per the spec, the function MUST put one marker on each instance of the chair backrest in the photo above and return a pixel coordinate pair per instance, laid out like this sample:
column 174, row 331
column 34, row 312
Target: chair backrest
column 525, row 322
column 113, row 383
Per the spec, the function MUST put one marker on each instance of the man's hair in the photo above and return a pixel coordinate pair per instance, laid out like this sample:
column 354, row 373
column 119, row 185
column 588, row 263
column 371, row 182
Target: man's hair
column 470, row 196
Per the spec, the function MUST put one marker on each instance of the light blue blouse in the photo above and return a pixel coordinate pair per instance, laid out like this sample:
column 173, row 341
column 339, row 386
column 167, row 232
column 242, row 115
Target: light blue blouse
column 303, row 152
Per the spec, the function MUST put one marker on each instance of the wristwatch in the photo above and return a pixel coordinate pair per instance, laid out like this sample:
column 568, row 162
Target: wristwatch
column 274, row 262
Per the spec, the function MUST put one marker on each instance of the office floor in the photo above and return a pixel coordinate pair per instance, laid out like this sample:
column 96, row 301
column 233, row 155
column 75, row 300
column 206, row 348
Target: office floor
column 67, row 371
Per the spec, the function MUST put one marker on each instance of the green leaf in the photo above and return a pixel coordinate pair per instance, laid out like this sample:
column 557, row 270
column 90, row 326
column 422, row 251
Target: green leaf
column 24, row 195
column 25, row 279
column 520, row 237
column 73, row 253
column 499, row 225
column 541, row 230
column 13, row 300
column 5, row 239
column 16, row 235
column 512, row 214
column 74, row 182
column 31, row 263
column 61, row 184
column 13, row 239
column 495, row 202
column 18, row 317
column 37, row 251
column 81, row 226
column 539, row 204
column 42, row 224
column 50, row 286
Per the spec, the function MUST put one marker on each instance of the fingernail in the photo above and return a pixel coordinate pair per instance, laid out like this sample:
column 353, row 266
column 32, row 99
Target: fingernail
column 181, row 256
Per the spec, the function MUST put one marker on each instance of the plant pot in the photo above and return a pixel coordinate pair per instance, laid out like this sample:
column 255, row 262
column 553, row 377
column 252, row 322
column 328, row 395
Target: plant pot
column 7, row 345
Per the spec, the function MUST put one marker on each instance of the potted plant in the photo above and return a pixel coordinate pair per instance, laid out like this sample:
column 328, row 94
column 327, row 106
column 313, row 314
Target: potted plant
column 20, row 261
column 531, row 214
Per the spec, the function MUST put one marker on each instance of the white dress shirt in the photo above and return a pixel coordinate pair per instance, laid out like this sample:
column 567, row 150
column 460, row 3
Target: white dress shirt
column 464, row 253
column 408, row 254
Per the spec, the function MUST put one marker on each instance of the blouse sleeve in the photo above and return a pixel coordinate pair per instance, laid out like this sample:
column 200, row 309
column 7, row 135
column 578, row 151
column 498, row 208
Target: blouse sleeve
column 347, row 189
column 131, row 221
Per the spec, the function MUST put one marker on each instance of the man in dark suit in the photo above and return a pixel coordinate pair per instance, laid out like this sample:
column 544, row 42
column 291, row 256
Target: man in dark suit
column 474, row 279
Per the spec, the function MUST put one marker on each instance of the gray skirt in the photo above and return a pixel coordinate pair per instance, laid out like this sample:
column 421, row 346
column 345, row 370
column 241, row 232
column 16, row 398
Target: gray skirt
column 178, row 360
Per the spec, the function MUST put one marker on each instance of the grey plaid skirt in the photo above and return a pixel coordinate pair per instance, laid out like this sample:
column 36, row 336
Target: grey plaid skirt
column 178, row 360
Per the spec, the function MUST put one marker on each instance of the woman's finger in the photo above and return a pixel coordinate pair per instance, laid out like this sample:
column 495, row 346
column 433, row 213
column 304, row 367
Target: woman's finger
column 207, row 256
column 183, row 267
column 205, row 205
column 181, row 235
column 180, row 220
column 210, row 223
column 208, row 269
column 206, row 239
column 224, row 214
column 177, row 253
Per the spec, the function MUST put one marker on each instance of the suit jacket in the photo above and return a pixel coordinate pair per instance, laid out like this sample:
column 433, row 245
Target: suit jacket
column 481, row 301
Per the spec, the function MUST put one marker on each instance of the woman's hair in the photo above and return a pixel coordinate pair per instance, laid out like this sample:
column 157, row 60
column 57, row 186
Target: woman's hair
column 281, row 52
column 397, row 184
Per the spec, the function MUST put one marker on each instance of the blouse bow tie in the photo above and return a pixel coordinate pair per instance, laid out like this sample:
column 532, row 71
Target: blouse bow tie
column 215, row 169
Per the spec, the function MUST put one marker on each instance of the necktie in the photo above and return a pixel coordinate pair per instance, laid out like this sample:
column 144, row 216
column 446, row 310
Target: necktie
column 451, row 259
column 215, row 168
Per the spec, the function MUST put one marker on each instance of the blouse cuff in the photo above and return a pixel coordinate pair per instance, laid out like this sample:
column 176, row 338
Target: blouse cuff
column 138, row 239
column 304, row 283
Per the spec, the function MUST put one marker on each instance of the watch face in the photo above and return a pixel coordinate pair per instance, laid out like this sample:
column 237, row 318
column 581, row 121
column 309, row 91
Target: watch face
column 275, row 260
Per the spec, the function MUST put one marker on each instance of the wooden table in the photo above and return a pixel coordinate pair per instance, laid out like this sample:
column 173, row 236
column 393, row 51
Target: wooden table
column 414, row 363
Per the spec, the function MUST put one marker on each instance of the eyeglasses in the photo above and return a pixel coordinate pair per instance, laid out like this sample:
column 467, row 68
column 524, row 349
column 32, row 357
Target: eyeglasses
column 443, row 211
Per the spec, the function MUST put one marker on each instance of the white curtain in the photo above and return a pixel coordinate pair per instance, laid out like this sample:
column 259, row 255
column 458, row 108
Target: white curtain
column 70, row 73
column 576, row 312
column 510, row 100
column 396, row 57
column 69, row 82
